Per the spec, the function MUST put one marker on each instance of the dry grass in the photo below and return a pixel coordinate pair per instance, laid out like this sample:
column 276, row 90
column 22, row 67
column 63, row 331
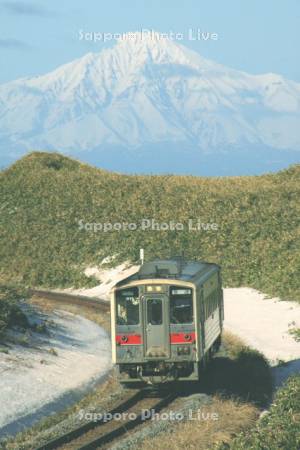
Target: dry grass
column 97, row 316
column 233, row 343
column 233, row 417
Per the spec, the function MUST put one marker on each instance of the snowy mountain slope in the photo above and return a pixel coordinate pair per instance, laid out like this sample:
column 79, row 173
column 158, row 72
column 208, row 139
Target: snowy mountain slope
column 150, row 93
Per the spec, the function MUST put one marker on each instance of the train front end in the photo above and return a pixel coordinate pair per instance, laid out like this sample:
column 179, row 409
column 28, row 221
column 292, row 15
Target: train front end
column 154, row 337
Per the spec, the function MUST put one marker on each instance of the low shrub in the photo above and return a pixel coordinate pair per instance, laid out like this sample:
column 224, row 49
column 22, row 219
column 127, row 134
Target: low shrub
column 277, row 429
column 10, row 312
column 244, row 375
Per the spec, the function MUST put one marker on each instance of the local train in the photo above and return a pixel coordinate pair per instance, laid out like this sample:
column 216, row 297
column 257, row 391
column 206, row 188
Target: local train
column 166, row 320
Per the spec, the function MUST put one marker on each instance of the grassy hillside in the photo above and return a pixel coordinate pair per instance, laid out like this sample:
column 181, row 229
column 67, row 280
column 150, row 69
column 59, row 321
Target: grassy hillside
column 44, row 196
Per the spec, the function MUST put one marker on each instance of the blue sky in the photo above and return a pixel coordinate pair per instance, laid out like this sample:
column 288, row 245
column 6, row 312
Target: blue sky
column 253, row 35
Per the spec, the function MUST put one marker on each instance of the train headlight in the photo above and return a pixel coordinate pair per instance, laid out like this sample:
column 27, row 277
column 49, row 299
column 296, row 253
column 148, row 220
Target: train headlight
column 153, row 288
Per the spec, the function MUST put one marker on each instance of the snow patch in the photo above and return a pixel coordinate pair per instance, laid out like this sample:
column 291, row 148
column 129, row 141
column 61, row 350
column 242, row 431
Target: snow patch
column 52, row 371
column 264, row 323
column 108, row 278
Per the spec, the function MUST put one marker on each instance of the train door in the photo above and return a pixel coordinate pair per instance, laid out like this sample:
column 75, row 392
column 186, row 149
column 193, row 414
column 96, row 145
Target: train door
column 156, row 322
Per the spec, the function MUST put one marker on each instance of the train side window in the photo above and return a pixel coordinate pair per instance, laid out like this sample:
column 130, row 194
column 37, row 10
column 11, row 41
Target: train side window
column 128, row 307
column 181, row 305
column 210, row 304
column 204, row 307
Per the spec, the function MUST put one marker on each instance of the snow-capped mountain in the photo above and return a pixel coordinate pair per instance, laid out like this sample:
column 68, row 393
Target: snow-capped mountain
column 150, row 104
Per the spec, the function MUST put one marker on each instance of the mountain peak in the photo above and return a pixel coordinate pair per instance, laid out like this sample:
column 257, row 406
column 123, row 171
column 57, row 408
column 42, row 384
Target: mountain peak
column 150, row 90
column 151, row 46
column 146, row 39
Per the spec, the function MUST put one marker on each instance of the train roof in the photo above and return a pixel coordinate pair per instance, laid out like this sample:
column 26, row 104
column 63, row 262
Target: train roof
column 175, row 268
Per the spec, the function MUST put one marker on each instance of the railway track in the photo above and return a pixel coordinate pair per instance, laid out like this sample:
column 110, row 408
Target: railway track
column 81, row 300
column 99, row 433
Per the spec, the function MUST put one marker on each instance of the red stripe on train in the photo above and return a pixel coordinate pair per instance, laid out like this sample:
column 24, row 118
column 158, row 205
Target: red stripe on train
column 129, row 339
column 182, row 338
column 175, row 338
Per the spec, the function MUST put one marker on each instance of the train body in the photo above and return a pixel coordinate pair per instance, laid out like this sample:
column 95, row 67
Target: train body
column 166, row 320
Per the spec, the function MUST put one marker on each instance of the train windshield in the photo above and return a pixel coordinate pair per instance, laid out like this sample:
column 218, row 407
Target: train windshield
column 128, row 306
column 181, row 305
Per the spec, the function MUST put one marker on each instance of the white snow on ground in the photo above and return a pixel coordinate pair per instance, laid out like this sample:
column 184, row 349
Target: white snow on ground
column 264, row 324
column 108, row 278
column 31, row 377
